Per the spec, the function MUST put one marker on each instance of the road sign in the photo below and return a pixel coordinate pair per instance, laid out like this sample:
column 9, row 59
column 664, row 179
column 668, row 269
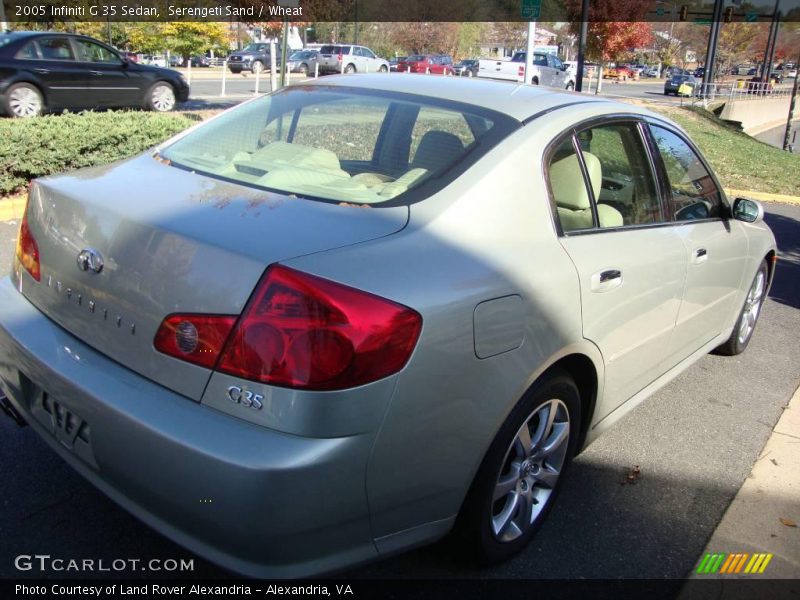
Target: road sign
column 751, row 17
column 530, row 9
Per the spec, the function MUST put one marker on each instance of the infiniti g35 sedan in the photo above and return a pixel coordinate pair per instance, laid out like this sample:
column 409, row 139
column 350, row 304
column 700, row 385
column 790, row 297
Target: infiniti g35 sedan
column 45, row 71
column 361, row 312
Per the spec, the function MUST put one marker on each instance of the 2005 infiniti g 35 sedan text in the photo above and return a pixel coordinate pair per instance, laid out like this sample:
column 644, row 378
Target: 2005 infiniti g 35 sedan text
column 361, row 312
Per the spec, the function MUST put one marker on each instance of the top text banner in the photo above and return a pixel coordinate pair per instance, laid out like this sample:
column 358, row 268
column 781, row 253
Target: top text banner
column 51, row 11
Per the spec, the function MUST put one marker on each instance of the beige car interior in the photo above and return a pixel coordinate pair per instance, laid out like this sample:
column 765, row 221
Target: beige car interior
column 318, row 172
column 572, row 197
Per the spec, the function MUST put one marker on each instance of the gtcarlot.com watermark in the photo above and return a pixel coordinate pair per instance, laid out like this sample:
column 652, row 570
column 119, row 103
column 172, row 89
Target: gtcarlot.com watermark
column 45, row 563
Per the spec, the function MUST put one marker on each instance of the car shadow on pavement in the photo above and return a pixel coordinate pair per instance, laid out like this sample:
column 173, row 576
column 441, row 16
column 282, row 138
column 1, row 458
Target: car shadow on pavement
column 785, row 288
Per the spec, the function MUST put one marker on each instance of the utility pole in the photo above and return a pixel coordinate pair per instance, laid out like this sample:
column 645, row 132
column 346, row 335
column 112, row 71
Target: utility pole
column 582, row 45
column 711, row 53
column 529, row 51
column 772, row 39
column 792, row 102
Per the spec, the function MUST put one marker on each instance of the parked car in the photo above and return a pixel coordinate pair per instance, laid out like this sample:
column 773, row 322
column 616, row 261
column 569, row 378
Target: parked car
column 679, row 84
column 699, row 72
column 394, row 61
column 546, row 69
column 620, row 73
column 47, row 71
column 200, row 61
column 349, row 58
column 466, row 68
column 651, row 72
column 238, row 329
column 175, row 60
column 303, row 61
column 254, row 57
column 435, row 64
column 154, row 60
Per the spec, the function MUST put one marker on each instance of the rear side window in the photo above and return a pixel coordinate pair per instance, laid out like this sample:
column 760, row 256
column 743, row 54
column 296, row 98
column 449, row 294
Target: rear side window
column 28, row 51
column 56, row 49
column 618, row 188
column 693, row 193
column 341, row 144
column 91, row 52
column 627, row 194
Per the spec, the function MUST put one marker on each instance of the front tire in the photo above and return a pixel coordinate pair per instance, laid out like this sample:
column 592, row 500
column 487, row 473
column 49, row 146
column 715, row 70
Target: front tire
column 383, row 69
column 161, row 97
column 258, row 66
column 748, row 316
column 535, row 81
column 23, row 101
column 520, row 475
column 304, row 70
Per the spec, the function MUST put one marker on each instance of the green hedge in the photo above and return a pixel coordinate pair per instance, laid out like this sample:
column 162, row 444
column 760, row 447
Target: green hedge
column 40, row 146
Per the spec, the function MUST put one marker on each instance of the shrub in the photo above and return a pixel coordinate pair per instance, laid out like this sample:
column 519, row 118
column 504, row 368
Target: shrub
column 31, row 148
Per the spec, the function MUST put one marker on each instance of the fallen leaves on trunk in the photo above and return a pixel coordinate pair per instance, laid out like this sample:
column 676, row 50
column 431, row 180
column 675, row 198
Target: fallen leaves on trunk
column 787, row 522
column 632, row 476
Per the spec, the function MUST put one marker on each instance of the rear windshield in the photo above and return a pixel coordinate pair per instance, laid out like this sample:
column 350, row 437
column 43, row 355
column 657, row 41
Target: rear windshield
column 342, row 144
column 330, row 50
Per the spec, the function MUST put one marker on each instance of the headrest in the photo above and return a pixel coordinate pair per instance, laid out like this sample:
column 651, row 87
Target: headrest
column 567, row 182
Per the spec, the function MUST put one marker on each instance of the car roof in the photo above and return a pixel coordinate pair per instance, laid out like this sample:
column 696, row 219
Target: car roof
column 518, row 101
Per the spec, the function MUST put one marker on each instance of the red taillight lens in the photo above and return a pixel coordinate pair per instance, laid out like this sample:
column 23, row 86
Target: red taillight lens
column 305, row 332
column 198, row 339
column 521, row 71
column 28, row 250
column 339, row 58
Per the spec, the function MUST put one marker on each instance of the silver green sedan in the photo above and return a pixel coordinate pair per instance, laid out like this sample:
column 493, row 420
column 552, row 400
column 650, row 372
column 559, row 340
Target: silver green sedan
column 338, row 321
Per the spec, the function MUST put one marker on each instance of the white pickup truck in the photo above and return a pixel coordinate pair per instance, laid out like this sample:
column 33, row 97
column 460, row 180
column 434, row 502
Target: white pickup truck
column 547, row 70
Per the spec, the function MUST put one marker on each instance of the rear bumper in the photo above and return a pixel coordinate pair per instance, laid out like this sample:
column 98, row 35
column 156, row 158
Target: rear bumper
column 280, row 505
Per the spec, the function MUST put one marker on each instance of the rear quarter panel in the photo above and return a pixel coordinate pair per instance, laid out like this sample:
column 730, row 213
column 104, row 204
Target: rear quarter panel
column 487, row 235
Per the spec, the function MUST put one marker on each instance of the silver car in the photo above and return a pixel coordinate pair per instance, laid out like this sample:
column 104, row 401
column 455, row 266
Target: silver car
column 349, row 58
column 333, row 322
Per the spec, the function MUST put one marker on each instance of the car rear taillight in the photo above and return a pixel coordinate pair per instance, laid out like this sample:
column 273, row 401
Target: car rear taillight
column 302, row 331
column 521, row 71
column 28, row 249
column 198, row 339
column 339, row 57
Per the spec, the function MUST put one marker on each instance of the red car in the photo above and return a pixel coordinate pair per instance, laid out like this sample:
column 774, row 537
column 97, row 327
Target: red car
column 436, row 64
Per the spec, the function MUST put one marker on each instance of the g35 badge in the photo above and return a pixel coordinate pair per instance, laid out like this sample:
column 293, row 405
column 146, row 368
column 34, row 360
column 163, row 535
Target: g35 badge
column 245, row 397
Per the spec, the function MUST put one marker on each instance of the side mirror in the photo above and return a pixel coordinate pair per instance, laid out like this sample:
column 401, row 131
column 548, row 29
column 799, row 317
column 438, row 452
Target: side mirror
column 563, row 67
column 749, row 211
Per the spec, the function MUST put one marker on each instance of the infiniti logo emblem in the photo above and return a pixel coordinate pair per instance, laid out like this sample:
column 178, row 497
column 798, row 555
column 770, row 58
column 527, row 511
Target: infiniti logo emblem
column 90, row 260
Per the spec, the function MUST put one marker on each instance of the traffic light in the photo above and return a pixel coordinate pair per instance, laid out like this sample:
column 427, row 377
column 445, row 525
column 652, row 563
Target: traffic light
column 684, row 14
column 729, row 14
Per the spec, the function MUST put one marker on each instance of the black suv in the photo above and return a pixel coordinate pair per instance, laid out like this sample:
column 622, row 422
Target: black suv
column 254, row 58
column 42, row 71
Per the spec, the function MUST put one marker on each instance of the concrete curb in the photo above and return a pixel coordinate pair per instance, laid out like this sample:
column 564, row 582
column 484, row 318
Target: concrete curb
column 13, row 208
column 761, row 516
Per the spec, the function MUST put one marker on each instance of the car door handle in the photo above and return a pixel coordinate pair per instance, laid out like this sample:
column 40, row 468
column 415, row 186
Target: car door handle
column 606, row 280
column 95, row 72
column 700, row 256
column 42, row 71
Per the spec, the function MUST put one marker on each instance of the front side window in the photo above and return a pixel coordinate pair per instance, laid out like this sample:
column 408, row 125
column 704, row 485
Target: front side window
column 339, row 144
column 693, row 193
column 540, row 60
column 91, row 52
column 56, row 49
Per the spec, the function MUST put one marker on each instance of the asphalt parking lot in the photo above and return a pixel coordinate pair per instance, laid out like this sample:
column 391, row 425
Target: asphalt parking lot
column 694, row 443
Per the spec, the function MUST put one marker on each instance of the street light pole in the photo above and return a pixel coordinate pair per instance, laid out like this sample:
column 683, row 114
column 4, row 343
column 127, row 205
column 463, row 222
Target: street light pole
column 582, row 45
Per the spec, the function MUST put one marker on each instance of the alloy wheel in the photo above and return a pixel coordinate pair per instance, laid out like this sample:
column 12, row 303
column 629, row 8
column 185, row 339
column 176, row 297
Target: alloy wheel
column 24, row 102
column 531, row 468
column 752, row 306
column 163, row 97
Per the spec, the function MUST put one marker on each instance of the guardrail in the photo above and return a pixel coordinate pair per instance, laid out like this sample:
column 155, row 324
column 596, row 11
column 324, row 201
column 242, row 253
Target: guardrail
column 742, row 90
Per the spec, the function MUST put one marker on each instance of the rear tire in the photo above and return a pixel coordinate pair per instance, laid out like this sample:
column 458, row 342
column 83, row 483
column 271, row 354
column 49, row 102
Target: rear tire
column 748, row 317
column 351, row 68
column 514, row 488
column 23, row 101
column 570, row 86
column 535, row 81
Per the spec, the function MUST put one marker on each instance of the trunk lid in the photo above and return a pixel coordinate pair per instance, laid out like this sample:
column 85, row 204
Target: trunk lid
column 170, row 241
